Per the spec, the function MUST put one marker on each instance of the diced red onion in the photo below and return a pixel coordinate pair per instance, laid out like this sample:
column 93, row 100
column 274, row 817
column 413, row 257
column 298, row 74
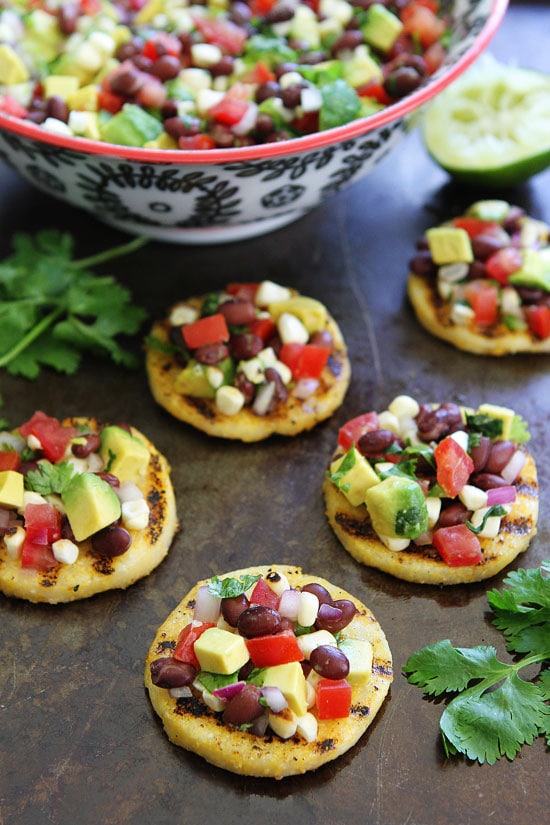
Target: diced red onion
column 259, row 725
column 501, row 495
column 329, row 612
column 182, row 692
column 305, row 387
column 207, row 606
column 248, row 120
column 424, row 538
column 264, row 398
column 227, row 692
column 275, row 698
column 289, row 604
column 514, row 467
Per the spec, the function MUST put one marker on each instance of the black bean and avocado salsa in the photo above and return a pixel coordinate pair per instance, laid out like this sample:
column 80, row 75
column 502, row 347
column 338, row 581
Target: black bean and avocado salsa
column 440, row 475
column 264, row 654
column 169, row 74
column 491, row 268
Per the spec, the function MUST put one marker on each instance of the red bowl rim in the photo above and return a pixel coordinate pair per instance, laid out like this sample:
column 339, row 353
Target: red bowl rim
column 265, row 151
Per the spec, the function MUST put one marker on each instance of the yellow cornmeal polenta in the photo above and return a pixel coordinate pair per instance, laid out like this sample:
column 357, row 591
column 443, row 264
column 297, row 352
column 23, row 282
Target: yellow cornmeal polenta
column 190, row 724
column 288, row 418
column 91, row 573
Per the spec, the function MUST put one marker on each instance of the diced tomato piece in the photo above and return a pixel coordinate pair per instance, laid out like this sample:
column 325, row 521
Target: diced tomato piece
column 9, row 460
column 476, row 226
column 260, row 73
column 457, row 545
column 538, row 318
column 90, row 7
column 259, row 7
column 223, row 33
column 421, row 22
column 304, row 360
column 196, row 142
column 503, row 263
column 351, row 432
column 10, row 106
column 243, row 291
column 434, row 56
column 37, row 556
column 333, row 698
column 53, row 436
column 42, row 523
column 264, row 595
column 376, row 91
column 265, row 328
column 212, row 329
column 453, row 466
column 184, row 649
column 483, row 298
column 276, row 649
column 109, row 101
column 229, row 110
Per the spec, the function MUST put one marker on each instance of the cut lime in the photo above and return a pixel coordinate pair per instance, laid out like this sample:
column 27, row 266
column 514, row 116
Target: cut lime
column 492, row 126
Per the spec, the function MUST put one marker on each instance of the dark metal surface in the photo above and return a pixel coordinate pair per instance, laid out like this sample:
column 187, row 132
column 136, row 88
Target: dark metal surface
column 79, row 742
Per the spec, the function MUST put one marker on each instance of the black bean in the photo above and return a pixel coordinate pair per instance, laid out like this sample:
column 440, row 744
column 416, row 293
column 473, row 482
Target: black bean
column 500, row 454
column 232, row 608
column 92, row 445
column 57, row 108
column 245, row 345
column 291, row 96
column 476, row 270
column 322, row 338
column 111, row 541
column 67, row 16
column 210, row 354
column 422, row 263
column 223, row 67
column 281, row 393
column 266, row 90
column 335, row 615
column 402, row 81
column 375, row 443
column 435, row 424
column 480, row 453
column 170, row 673
column 455, row 513
column 258, row 620
column 348, row 41
column 247, row 388
column 126, row 81
column 166, row 67
column 244, row 707
column 487, row 481
column 484, row 245
column 329, row 662
column 318, row 590
column 238, row 313
column 112, row 480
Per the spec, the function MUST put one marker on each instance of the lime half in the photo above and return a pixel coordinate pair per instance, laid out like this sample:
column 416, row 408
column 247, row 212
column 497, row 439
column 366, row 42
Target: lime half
column 492, row 126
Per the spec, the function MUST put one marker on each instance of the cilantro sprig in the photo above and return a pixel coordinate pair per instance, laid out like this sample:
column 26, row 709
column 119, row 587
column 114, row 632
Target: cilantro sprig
column 495, row 711
column 231, row 587
column 53, row 308
column 49, row 478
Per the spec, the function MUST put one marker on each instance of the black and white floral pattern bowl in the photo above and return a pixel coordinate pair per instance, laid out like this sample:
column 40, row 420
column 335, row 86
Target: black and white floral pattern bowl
column 223, row 195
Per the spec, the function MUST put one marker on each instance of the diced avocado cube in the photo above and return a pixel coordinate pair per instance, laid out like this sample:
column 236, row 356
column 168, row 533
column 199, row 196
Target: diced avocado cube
column 84, row 99
column 311, row 312
column 90, row 504
column 304, row 27
column 397, row 508
column 220, row 651
column 534, row 272
column 359, row 656
column 381, row 27
column 164, row 141
column 60, row 85
column 125, row 456
column 132, row 126
column 12, row 68
column 149, row 10
column 449, row 245
column 504, row 414
column 361, row 68
column 489, row 210
column 353, row 475
column 192, row 380
column 11, row 489
column 290, row 680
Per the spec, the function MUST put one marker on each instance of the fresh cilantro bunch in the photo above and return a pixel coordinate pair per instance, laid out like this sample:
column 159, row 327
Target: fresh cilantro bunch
column 495, row 711
column 52, row 308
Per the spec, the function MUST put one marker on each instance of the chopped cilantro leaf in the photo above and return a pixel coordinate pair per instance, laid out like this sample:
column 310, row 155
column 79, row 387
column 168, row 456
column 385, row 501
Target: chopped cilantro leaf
column 495, row 710
column 212, row 681
column 52, row 308
column 485, row 425
column 49, row 478
column 495, row 510
column 230, row 587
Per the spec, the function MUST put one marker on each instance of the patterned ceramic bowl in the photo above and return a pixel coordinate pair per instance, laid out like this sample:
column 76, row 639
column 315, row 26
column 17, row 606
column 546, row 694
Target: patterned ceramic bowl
column 221, row 195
